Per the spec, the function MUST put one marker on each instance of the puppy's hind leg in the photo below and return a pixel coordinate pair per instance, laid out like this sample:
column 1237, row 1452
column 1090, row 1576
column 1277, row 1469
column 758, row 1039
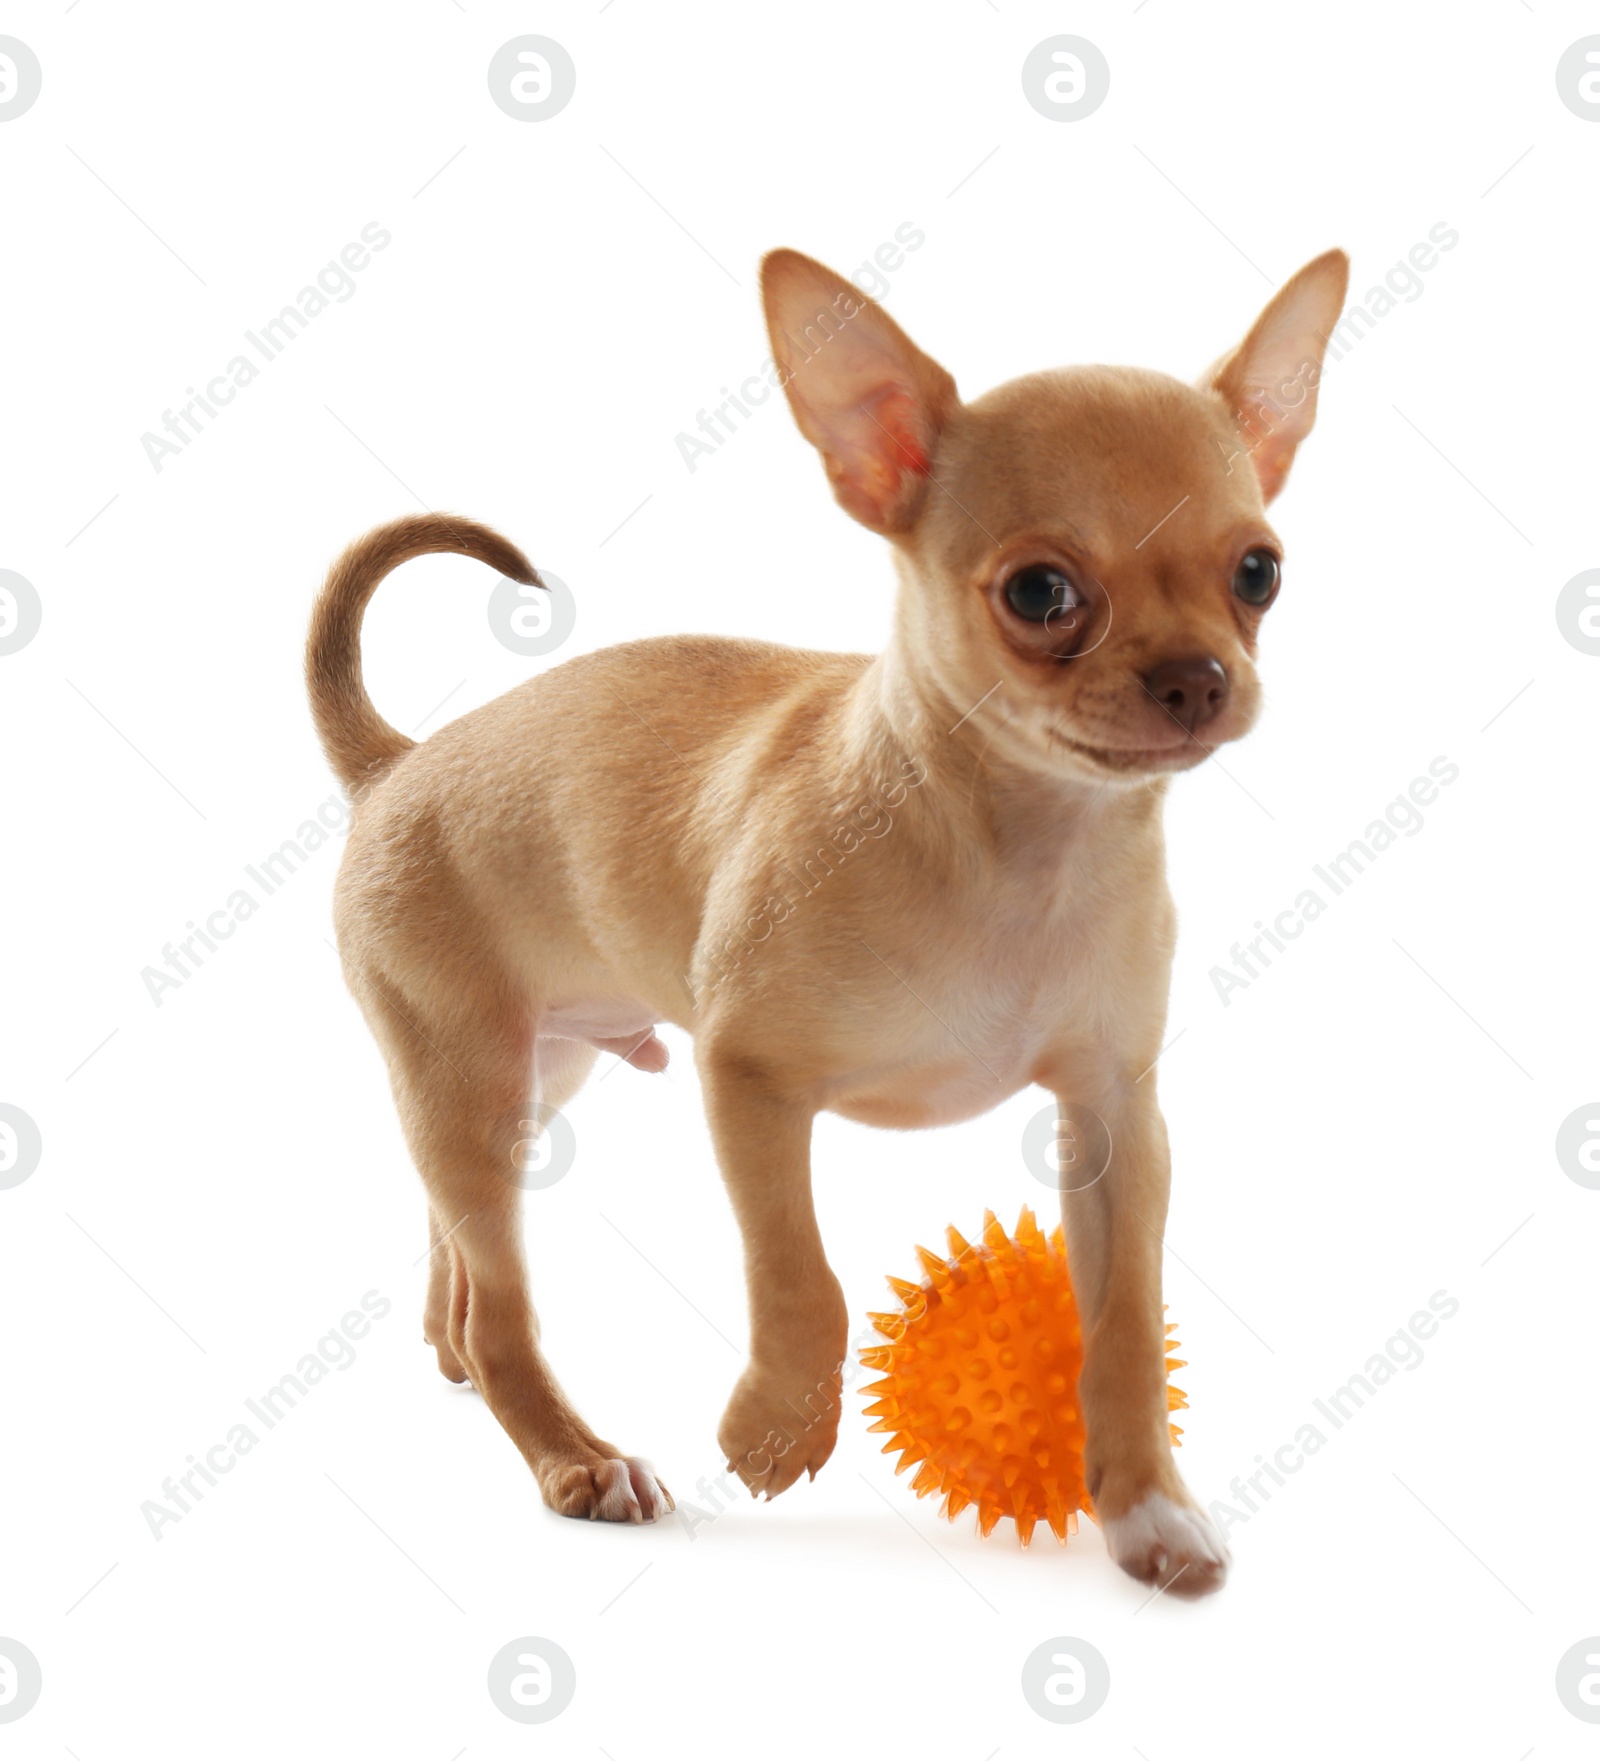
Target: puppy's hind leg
column 461, row 1078
column 436, row 1311
column 560, row 1067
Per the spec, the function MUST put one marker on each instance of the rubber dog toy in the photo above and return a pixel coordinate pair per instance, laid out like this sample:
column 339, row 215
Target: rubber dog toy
column 980, row 1382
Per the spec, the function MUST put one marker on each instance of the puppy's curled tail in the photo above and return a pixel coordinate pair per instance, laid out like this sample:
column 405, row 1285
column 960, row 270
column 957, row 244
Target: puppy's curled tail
column 359, row 743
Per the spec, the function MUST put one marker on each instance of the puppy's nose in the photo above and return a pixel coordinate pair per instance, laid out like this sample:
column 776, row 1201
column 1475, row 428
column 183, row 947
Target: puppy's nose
column 1193, row 692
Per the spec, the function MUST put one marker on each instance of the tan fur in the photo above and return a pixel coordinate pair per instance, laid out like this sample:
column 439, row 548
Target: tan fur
column 900, row 888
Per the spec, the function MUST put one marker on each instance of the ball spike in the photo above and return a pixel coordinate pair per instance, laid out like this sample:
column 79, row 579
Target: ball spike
column 1056, row 1514
column 927, row 1480
column 935, row 1267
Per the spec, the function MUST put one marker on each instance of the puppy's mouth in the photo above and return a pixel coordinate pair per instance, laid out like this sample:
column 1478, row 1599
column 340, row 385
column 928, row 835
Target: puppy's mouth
column 1137, row 760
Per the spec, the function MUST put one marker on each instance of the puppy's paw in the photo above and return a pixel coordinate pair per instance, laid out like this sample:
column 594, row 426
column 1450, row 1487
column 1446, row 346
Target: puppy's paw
column 1159, row 1541
column 450, row 1366
column 608, row 1489
column 776, row 1430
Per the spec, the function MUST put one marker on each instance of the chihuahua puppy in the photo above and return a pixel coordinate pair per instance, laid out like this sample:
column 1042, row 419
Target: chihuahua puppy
column 1084, row 563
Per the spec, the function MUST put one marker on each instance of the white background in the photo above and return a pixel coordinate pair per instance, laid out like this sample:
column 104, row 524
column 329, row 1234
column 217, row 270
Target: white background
column 1365, row 1125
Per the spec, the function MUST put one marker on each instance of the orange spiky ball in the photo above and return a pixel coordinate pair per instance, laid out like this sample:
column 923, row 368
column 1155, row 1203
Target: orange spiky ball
column 980, row 1380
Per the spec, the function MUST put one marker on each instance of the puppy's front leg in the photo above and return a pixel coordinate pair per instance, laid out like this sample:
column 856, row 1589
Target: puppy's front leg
column 783, row 1419
column 1153, row 1527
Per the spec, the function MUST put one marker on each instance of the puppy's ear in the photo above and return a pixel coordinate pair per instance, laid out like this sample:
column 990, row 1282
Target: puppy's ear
column 862, row 392
column 1269, row 382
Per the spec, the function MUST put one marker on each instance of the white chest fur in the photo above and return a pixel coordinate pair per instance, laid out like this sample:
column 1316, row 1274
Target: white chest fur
column 1027, row 980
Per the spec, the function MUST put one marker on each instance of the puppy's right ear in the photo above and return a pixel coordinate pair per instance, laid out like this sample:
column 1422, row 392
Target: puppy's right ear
column 862, row 392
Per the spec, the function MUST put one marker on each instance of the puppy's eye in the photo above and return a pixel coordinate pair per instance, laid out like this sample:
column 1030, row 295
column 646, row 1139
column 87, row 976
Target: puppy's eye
column 1039, row 593
column 1256, row 578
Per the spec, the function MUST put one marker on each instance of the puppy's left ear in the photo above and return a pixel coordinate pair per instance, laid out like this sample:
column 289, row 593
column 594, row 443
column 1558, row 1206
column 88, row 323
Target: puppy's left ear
column 1269, row 382
column 862, row 392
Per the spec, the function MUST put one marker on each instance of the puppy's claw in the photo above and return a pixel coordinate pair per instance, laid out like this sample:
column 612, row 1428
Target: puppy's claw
column 648, row 1489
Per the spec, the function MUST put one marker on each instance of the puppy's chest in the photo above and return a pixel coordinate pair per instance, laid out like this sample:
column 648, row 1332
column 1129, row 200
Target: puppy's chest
column 982, row 1004
column 1013, row 975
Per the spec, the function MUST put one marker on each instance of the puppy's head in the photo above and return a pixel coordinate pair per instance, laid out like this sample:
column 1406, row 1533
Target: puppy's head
column 1088, row 546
